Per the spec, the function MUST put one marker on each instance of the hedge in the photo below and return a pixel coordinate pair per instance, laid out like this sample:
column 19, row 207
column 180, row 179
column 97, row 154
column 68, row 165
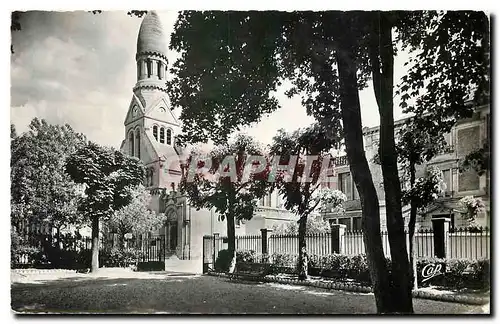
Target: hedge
column 70, row 259
column 456, row 273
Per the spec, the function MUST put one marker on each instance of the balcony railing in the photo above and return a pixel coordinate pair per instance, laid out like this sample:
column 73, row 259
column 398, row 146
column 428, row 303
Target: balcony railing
column 449, row 149
column 340, row 161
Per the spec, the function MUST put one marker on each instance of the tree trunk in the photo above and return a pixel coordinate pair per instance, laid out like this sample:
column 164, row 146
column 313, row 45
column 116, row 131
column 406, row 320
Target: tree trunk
column 411, row 230
column 351, row 118
column 413, row 255
column 302, row 262
column 58, row 236
column 382, row 60
column 95, row 244
column 231, row 241
column 121, row 241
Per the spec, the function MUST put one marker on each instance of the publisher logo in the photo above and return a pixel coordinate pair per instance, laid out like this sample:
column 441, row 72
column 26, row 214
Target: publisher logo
column 431, row 270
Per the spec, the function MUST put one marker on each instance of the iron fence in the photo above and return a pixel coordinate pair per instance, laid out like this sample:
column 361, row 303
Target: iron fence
column 461, row 243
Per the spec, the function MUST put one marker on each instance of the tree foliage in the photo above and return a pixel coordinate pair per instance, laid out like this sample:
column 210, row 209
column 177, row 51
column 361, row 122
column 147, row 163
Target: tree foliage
column 315, row 225
column 306, row 152
column 136, row 217
column 426, row 189
column 450, row 65
column 477, row 160
column 41, row 191
column 214, row 187
column 222, row 180
column 108, row 176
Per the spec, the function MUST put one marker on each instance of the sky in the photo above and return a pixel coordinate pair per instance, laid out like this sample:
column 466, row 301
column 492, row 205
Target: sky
column 79, row 68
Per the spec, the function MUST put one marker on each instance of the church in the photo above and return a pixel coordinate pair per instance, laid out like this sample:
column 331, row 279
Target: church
column 150, row 131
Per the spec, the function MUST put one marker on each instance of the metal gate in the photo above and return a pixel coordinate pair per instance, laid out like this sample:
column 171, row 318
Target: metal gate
column 153, row 248
column 211, row 247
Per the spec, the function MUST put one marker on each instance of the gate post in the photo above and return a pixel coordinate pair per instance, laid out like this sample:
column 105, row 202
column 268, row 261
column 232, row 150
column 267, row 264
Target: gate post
column 214, row 238
column 265, row 248
column 338, row 231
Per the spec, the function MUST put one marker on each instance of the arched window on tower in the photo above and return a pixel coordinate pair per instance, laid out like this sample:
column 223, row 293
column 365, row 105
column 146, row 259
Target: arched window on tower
column 160, row 70
column 138, row 143
column 162, row 135
column 169, row 136
column 155, row 132
column 150, row 68
column 131, row 143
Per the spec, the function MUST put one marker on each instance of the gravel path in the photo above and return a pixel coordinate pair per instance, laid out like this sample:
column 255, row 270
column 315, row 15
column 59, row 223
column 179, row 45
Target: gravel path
column 182, row 293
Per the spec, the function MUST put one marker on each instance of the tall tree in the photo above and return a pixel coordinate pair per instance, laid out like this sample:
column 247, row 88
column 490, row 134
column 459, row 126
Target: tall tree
column 301, row 179
column 41, row 192
column 108, row 175
column 136, row 217
column 230, row 179
column 329, row 56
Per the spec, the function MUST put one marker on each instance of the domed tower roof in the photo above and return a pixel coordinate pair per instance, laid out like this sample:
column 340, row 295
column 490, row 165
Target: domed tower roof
column 151, row 37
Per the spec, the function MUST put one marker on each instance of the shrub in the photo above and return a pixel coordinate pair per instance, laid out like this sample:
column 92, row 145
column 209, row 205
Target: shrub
column 246, row 256
column 27, row 255
column 456, row 273
column 284, row 260
column 223, row 261
column 120, row 258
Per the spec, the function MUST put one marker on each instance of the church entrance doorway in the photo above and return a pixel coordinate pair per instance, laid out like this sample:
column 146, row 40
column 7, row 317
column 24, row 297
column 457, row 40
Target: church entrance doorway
column 173, row 236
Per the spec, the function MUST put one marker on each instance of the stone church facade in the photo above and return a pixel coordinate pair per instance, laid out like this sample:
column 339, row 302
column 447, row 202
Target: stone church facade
column 150, row 131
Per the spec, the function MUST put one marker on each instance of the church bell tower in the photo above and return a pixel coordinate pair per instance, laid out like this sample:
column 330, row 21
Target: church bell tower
column 150, row 124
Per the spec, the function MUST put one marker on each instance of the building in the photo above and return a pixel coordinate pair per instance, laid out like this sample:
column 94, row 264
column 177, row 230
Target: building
column 466, row 136
column 150, row 131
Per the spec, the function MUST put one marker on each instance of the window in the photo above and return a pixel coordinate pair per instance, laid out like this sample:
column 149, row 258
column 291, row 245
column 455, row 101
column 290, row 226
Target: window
column 269, row 197
column 138, row 143
column 356, row 224
column 262, row 201
column 131, row 143
column 346, row 222
column 169, row 136
column 159, row 69
column 162, row 135
column 162, row 110
column 150, row 68
column 135, row 111
column 447, row 180
column 345, row 184
column 155, row 132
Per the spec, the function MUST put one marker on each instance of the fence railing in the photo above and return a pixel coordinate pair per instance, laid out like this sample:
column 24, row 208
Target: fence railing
column 454, row 243
column 33, row 246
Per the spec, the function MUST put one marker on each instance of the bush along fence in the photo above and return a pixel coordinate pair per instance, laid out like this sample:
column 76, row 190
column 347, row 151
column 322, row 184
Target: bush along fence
column 461, row 256
column 44, row 251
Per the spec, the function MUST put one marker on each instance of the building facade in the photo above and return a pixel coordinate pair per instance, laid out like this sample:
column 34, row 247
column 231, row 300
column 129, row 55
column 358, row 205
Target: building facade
column 466, row 136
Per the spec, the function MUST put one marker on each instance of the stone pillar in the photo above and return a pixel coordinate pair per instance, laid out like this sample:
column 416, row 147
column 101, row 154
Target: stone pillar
column 154, row 69
column 441, row 229
column 215, row 241
column 338, row 231
column 144, row 68
column 161, row 73
column 265, row 232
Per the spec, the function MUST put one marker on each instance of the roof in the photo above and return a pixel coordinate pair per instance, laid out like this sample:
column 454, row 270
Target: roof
column 151, row 38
